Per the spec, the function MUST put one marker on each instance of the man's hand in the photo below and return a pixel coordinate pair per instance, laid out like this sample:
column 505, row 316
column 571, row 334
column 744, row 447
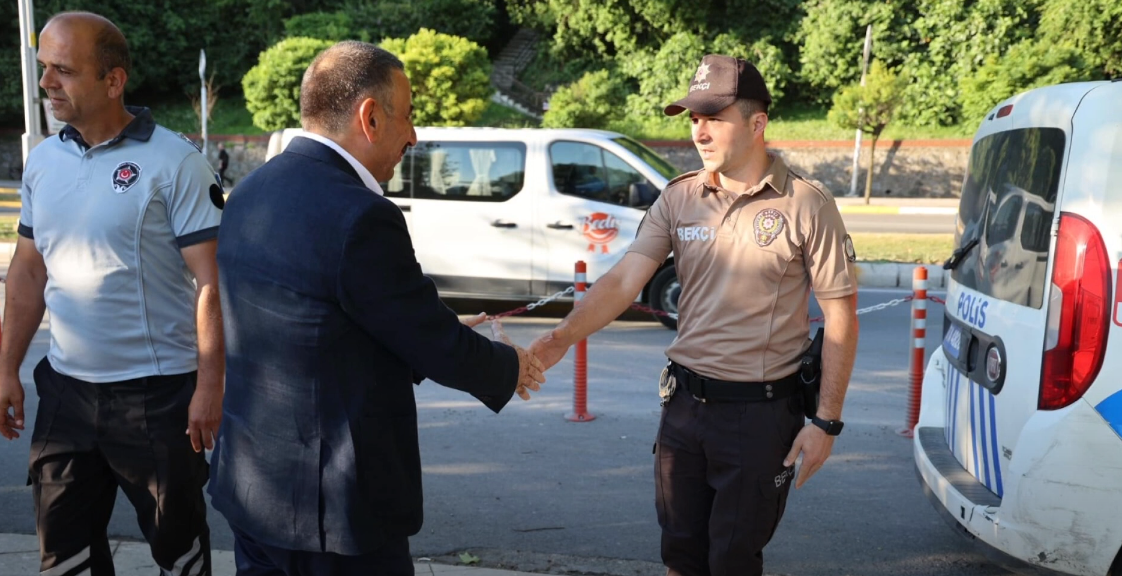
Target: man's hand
column 204, row 416
column 815, row 446
column 549, row 349
column 11, row 396
column 529, row 367
column 473, row 321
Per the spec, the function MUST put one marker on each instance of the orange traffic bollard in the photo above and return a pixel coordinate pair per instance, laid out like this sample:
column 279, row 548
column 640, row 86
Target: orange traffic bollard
column 918, row 343
column 580, row 363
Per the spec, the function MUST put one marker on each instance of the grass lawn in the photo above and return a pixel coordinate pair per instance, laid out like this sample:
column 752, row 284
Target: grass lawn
column 911, row 248
column 8, row 225
column 499, row 116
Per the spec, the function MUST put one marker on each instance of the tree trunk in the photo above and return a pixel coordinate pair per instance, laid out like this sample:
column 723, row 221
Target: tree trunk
column 869, row 176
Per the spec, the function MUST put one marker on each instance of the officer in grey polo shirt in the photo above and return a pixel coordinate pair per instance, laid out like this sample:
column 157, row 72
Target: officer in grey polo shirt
column 117, row 240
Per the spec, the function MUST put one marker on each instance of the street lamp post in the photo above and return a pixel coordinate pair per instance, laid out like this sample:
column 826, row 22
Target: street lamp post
column 33, row 133
column 202, row 80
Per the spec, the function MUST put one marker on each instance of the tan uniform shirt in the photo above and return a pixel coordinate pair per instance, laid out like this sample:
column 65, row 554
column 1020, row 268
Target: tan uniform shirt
column 747, row 263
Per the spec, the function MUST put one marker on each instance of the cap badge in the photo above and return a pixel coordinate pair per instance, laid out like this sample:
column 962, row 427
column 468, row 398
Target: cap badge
column 702, row 72
column 768, row 224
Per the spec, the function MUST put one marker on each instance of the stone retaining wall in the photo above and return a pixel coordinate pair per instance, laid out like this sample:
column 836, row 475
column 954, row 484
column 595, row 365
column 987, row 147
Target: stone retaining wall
column 930, row 169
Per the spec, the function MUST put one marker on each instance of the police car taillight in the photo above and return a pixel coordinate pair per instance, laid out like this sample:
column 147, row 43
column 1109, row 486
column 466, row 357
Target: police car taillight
column 1078, row 313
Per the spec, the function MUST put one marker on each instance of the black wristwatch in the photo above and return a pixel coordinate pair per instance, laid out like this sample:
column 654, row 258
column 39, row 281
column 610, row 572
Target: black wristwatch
column 832, row 427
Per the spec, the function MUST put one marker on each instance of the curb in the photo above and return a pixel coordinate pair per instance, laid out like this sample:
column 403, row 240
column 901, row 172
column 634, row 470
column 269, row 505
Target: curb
column 898, row 275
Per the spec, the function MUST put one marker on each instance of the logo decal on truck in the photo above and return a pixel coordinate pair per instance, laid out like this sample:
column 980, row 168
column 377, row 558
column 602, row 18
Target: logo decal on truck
column 599, row 228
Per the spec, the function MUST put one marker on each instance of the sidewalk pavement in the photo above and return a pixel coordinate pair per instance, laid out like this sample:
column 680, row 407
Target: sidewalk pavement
column 19, row 556
column 924, row 206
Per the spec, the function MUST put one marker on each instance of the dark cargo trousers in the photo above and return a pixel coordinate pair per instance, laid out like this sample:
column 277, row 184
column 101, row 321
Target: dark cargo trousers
column 91, row 438
column 720, row 483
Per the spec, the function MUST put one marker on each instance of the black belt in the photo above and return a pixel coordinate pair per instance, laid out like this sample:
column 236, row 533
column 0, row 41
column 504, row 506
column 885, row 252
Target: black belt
column 712, row 390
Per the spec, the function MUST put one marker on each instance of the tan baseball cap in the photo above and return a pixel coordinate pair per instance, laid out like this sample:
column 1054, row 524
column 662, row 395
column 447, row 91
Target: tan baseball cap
column 719, row 82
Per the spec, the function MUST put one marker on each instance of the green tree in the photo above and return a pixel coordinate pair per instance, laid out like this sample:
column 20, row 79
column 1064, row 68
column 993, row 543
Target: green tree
column 1093, row 28
column 832, row 39
column 664, row 76
column 451, row 77
column 334, row 26
column 869, row 108
column 471, row 19
column 1027, row 65
column 954, row 39
column 617, row 30
column 594, row 101
column 272, row 87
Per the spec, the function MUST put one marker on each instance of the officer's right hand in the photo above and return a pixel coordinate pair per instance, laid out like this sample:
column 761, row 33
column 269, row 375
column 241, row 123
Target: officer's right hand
column 11, row 397
column 530, row 369
column 549, row 348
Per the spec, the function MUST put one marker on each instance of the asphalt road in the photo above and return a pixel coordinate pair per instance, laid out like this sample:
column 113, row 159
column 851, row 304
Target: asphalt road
column 523, row 486
column 895, row 223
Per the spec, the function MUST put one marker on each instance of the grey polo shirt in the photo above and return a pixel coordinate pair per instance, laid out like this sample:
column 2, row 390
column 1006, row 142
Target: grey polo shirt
column 110, row 221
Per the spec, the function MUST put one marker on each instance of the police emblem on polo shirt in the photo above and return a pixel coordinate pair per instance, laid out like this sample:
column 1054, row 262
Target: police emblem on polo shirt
column 126, row 174
column 767, row 224
column 850, row 253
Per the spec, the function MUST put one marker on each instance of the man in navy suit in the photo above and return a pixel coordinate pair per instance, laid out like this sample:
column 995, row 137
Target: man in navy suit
column 329, row 323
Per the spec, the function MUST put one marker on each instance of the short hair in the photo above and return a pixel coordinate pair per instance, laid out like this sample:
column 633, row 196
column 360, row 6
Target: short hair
column 339, row 78
column 748, row 107
column 111, row 50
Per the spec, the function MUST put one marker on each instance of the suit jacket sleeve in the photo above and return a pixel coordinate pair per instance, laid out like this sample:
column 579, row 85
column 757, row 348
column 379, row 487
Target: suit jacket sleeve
column 381, row 287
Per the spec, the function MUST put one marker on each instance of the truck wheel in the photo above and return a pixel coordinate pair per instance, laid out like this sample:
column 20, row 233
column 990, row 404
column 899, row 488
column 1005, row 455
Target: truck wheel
column 665, row 290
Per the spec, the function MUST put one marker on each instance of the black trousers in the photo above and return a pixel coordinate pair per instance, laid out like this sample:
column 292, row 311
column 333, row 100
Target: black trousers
column 256, row 559
column 720, row 483
column 89, row 439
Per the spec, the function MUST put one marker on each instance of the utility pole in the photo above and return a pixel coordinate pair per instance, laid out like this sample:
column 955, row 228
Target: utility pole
column 32, row 104
column 857, row 138
column 202, row 79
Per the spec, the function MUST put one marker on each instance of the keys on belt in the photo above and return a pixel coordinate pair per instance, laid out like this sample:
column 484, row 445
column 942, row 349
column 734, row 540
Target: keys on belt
column 713, row 390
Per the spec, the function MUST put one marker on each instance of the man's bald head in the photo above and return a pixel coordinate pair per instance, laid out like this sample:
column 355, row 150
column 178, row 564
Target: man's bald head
column 340, row 78
column 109, row 47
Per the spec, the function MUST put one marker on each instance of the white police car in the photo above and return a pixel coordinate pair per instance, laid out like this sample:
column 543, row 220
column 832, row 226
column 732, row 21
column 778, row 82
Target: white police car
column 1018, row 442
column 506, row 214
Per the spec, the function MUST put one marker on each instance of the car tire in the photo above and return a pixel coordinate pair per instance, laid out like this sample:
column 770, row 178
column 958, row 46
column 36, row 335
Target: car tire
column 665, row 290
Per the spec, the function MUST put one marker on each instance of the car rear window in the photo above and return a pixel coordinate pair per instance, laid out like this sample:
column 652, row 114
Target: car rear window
column 1008, row 205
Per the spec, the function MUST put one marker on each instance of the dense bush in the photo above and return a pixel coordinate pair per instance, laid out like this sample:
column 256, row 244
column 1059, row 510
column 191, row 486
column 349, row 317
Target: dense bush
column 450, row 76
column 333, row 26
column 272, row 87
column 1027, row 65
column 594, row 101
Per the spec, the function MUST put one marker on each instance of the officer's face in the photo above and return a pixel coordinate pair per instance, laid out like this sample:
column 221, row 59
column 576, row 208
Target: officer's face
column 724, row 140
column 399, row 133
column 71, row 75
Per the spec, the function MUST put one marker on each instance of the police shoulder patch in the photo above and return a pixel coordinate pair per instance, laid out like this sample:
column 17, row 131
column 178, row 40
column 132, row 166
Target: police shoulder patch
column 850, row 253
column 217, row 194
column 124, row 176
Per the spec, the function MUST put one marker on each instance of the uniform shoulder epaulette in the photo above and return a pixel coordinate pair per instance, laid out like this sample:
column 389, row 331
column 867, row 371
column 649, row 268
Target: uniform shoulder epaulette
column 815, row 185
column 184, row 137
column 682, row 177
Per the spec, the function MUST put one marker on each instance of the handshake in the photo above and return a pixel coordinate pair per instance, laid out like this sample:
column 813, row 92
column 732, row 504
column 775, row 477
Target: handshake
column 545, row 351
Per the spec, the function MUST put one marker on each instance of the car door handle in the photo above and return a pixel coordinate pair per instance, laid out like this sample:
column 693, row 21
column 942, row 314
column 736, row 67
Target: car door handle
column 405, row 208
column 501, row 224
column 559, row 226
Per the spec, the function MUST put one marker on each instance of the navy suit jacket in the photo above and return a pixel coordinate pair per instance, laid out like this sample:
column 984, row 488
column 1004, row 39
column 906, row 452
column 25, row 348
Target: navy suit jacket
column 329, row 323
